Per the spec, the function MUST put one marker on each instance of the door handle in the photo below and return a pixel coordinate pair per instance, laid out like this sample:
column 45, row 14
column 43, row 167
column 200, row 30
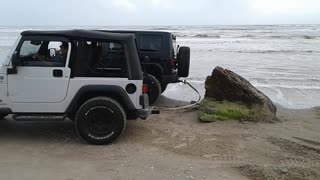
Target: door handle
column 57, row 73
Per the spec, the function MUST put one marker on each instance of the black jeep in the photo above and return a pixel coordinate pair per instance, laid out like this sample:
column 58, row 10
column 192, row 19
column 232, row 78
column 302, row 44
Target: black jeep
column 162, row 61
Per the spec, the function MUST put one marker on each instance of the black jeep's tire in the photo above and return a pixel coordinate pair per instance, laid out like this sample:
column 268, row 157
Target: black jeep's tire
column 163, row 87
column 100, row 121
column 154, row 87
column 3, row 116
column 183, row 58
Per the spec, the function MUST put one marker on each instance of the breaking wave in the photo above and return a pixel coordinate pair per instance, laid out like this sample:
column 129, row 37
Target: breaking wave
column 248, row 36
column 206, row 36
column 292, row 37
column 274, row 51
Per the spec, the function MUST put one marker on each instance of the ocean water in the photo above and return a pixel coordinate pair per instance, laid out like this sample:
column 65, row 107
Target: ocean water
column 281, row 60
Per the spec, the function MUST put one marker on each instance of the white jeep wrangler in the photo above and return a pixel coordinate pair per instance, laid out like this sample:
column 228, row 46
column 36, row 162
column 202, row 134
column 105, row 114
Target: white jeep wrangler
column 94, row 78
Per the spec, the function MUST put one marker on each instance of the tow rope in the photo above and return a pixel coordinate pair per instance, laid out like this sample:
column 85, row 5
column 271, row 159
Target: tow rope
column 193, row 103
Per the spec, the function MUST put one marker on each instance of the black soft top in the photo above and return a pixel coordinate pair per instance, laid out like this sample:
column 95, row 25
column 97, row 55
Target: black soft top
column 137, row 32
column 76, row 34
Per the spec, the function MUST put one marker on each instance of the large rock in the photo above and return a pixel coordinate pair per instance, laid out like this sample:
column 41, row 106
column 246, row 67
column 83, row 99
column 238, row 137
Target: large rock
column 225, row 85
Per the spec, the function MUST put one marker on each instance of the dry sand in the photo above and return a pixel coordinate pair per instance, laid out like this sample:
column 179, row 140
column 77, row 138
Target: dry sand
column 172, row 145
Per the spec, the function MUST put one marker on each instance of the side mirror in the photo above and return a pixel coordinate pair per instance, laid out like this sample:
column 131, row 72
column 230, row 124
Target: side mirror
column 15, row 59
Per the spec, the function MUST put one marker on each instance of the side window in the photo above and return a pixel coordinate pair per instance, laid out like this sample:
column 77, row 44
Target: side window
column 150, row 42
column 101, row 59
column 112, row 58
column 43, row 53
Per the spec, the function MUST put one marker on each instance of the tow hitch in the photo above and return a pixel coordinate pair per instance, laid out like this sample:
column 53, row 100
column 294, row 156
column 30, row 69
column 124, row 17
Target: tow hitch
column 155, row 111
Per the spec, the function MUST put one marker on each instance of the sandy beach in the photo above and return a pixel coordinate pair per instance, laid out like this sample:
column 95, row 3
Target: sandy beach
column 172, row 145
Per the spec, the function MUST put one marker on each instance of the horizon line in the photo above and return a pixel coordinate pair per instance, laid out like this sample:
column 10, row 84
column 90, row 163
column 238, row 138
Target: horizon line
column 155, row 25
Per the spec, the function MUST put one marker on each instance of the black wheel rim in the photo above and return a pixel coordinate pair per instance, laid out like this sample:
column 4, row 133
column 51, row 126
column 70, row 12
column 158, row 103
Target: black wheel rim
column 100, row 120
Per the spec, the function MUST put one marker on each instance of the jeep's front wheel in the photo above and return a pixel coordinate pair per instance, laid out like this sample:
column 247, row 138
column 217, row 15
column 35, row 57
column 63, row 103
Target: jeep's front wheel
column 100, row 121
column 154, row 87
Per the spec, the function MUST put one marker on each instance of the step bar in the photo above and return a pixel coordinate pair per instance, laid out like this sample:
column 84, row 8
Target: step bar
column 41, row 117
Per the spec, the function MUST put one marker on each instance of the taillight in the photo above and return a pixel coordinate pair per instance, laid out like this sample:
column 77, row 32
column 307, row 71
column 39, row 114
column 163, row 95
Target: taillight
column 173, row 62
column 144, row 89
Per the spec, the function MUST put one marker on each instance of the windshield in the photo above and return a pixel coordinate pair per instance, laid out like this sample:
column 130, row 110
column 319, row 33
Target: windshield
column 6, row 60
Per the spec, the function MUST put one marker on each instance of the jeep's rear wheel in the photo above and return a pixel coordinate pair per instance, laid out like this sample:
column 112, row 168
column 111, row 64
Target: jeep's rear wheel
column 183, row 61
column 154, row 87
column 3, row 116
column 100, row 121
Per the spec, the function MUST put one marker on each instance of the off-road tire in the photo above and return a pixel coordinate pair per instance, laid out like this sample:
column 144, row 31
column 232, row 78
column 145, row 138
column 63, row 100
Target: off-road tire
column 163, row 87
column 100, row 121
column 183, row 58
column 2, row 116
column 154, row 87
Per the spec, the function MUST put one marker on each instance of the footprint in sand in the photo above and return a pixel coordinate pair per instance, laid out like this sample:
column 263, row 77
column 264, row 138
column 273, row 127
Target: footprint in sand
column 210, row 139
column 154, row 132
column 160, row 141
column 189, row 138
column 192, row 138
column 210, row 155
column 180, row 146
column 174, row 134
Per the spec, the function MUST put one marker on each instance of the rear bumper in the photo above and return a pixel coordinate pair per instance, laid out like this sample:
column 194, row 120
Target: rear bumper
column 146, row 111
column 143, row 113
column 167, row 79
column 144, row 101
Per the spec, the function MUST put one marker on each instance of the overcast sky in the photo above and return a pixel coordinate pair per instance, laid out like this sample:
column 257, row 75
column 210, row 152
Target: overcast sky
column 157, row 12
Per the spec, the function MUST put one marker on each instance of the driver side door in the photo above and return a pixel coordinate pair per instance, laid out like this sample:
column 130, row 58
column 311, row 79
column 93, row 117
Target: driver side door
column 42, row 76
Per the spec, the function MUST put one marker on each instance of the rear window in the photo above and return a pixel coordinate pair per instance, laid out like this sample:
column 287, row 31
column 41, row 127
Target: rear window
column 150, row 43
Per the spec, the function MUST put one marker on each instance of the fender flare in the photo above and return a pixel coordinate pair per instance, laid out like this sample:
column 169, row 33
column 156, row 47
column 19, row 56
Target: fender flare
column 90, row 91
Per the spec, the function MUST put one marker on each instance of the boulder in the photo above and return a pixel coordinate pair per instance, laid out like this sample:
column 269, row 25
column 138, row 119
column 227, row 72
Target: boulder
column 226, row 86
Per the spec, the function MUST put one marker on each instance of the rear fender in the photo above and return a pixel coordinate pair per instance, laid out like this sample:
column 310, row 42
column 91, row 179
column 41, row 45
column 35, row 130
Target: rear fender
column 91, row 91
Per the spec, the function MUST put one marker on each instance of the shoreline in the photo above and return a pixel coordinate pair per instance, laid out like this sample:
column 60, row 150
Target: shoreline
column 169, row 102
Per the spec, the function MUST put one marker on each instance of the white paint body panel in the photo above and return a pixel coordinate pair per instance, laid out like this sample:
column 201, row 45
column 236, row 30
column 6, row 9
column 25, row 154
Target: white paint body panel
column 37, row 85
column 74, row 86
column 35, row 90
